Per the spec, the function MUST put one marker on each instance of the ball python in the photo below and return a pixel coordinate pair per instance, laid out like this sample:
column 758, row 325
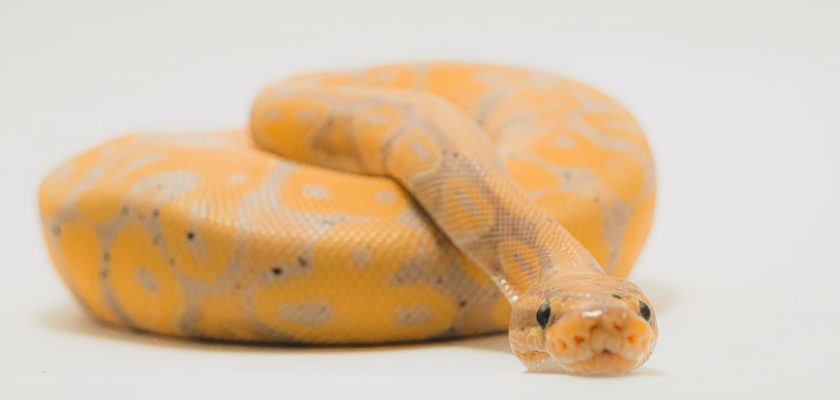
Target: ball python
column 391, row 204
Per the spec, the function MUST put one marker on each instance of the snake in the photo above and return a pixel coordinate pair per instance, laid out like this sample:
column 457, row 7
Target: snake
column 390, row 204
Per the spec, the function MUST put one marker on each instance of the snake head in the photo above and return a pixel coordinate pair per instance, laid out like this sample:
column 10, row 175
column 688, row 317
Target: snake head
column 585, row 325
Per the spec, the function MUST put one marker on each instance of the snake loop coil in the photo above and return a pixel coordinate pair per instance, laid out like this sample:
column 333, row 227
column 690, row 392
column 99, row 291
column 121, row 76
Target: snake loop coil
column 396, row 203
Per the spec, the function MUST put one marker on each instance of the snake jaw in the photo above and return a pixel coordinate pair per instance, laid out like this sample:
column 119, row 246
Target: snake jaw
column 595, row 342
column 608, row 341
column 584, row 326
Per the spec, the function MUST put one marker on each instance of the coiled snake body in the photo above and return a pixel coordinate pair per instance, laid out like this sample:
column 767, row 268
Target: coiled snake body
column 396, row 203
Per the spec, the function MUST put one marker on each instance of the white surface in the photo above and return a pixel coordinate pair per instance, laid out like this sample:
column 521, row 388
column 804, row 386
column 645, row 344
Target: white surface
column 740, row 101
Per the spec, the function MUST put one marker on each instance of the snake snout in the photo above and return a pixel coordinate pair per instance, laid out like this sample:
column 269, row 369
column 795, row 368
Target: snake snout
column 603, row 340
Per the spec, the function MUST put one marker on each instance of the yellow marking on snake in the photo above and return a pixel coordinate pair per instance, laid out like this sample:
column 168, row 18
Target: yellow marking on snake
column 397, row 203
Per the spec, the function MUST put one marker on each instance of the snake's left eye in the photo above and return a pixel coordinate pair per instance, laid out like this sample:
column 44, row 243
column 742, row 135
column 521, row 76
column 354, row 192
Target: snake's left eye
column 544, row 313
column 644, row 310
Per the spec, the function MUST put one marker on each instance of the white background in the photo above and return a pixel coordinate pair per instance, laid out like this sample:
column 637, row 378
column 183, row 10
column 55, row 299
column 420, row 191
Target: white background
column 739, row 99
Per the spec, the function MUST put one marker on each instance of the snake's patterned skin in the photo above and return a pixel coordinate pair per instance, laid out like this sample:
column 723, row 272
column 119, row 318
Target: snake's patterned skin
column 397, row 203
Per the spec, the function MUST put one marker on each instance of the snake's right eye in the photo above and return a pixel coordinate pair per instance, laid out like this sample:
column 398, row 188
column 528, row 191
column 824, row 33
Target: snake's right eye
column 644, row 310
column 544, row 313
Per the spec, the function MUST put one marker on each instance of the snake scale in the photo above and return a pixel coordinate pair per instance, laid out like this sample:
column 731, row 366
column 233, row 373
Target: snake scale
column 396, row 203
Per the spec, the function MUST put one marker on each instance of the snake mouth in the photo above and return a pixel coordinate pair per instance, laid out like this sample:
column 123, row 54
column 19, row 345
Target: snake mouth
column 603, row 363
column 607, row 341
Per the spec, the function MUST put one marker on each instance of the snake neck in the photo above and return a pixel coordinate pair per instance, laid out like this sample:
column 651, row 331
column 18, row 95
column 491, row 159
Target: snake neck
column 448, row 164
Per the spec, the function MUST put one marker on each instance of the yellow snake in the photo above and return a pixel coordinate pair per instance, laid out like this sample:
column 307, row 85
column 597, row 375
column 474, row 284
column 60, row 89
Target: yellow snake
column 396, row 203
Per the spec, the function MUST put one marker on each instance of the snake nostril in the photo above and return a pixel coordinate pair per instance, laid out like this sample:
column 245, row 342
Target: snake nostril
column 618, row 328
column 631, row 338
column 579, row 339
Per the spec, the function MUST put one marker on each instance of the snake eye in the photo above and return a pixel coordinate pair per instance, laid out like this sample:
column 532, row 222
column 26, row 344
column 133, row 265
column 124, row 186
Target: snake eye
column 544, row 313
column 644, row 310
